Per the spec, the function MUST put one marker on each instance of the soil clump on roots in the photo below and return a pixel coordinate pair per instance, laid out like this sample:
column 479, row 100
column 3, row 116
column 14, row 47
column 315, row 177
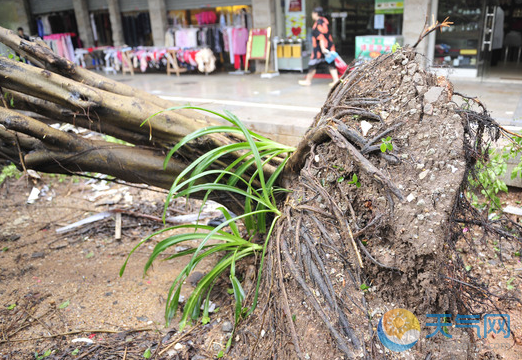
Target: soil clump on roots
column 365, row 230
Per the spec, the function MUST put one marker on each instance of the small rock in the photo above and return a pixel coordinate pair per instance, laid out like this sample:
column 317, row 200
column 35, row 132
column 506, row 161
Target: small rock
column 417, row 79
column 515, row 210
column 430, row 152
column 410, row 197
column 421, row 203
column 194, row 278
column 433, row 94
column 423, row 174
column 38, row 255
column 404, row 62
column 420, row 166
column 216, row 347
column 227, row 326
column 420, row 217
column 365, row 127
column 142, row 318
column 181, row 248
column 200, row 357
column 428, row 109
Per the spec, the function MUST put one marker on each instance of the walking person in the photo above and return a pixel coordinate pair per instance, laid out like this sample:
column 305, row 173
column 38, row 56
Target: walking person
column 322, row 44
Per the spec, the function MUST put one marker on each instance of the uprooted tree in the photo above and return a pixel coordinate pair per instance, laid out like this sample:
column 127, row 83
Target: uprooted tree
column 377, row 202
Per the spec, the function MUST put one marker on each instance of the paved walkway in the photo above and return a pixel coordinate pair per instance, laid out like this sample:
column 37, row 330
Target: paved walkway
column 282, row 109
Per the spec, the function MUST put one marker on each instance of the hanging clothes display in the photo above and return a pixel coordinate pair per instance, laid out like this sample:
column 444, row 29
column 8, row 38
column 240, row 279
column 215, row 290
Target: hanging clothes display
column 186, row 37
column 61, row 44
column 56, row 23
column 169, row 38
column 239, row 45
column 101, row 28
column 206, row 17
column 137, row 30
column 143, row 58
column 94, row 28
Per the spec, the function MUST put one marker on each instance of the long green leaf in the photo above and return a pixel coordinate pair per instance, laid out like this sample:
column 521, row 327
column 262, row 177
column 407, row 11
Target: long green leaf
column 197, row 134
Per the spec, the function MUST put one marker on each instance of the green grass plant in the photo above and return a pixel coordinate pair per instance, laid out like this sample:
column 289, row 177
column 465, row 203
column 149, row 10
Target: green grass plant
column 244, row 176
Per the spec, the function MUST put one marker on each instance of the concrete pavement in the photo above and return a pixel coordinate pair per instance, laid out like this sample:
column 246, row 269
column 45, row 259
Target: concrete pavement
column 283, row 110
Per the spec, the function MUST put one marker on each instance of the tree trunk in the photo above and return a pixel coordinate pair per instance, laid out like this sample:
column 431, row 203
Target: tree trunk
column 372, row 222
column 62, row 92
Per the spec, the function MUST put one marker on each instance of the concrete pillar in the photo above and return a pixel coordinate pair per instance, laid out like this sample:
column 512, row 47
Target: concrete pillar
column 415, row 12
column 158, row 21
column 280, row 29
column 264, row 15
column 116, row 27
column 81, row 11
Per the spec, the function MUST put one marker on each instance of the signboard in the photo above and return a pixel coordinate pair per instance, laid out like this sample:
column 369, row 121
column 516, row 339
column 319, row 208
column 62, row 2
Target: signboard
column 389, row 7
column 378, row 22
column 295, row 19
column 258, row 46
column 371, row 46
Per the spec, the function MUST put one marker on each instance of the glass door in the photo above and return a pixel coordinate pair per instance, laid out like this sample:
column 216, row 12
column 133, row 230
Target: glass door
column 457, row 47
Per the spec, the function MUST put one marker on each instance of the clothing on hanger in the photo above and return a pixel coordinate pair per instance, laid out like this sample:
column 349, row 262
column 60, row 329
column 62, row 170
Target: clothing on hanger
column 240, row 39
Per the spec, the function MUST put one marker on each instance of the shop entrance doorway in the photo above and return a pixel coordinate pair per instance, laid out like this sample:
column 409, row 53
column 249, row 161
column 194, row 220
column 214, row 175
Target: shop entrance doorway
column 501, row 41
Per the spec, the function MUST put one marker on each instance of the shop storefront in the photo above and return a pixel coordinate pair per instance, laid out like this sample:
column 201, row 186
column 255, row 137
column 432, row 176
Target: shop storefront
column 485, row 39
column 221, row 26
column 359, row 28
column 387, row 22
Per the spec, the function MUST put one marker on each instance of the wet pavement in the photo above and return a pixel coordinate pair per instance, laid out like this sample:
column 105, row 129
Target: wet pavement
column 282, row 109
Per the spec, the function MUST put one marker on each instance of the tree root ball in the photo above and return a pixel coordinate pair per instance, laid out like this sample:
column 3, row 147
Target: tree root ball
column 368, row 224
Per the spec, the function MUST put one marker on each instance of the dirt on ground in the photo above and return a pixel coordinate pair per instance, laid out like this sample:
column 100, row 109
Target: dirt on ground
column 56, row 287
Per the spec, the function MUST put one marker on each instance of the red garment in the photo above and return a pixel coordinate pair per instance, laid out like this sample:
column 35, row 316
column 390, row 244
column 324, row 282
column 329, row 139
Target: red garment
column 238, row 60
